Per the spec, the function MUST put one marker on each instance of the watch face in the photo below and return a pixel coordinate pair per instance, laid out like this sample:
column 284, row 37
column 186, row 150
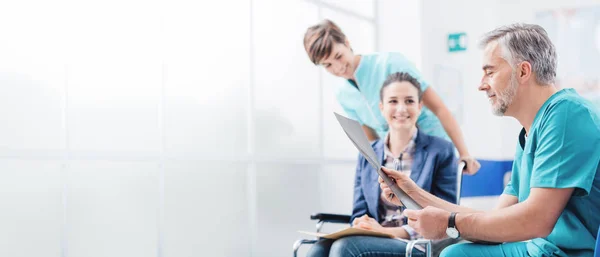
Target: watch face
column 452, row 233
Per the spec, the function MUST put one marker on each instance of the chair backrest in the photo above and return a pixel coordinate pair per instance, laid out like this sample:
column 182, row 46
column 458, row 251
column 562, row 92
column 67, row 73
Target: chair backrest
column 459, row 175
column 597, row 251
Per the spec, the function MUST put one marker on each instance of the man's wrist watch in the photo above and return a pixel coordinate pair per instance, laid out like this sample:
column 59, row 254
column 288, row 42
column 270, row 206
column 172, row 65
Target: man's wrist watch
column 451, row 230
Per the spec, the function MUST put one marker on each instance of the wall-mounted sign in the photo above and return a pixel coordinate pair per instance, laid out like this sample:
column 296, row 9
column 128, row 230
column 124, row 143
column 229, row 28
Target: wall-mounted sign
column 457, row 42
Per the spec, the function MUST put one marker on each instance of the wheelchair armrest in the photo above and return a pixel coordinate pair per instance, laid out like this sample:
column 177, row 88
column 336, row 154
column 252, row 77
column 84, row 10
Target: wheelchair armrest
column 331, row 218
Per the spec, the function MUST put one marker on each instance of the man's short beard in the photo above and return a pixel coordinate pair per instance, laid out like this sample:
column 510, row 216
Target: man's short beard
column 506, row 97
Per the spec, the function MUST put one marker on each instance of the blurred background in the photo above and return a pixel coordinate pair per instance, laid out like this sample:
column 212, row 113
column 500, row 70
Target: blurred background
column 200, row 128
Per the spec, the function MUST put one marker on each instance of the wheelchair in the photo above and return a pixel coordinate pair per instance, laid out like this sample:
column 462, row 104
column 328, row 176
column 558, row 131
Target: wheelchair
column 323, row 218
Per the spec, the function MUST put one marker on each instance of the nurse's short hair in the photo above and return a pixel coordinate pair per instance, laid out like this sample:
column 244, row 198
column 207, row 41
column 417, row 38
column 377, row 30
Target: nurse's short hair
column 320, row 39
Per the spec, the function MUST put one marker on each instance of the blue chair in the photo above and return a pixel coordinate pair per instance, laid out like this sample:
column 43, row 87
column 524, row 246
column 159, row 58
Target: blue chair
column 597, row 251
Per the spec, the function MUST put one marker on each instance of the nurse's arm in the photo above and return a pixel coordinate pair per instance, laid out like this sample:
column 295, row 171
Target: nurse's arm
column 434, row 103
column 535, row 217
column 371, row 134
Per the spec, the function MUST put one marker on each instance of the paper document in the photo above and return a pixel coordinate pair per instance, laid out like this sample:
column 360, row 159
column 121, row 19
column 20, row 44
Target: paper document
column 354, row 131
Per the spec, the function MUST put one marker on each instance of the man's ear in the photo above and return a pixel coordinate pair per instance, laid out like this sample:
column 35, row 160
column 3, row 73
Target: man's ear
column 524, row 72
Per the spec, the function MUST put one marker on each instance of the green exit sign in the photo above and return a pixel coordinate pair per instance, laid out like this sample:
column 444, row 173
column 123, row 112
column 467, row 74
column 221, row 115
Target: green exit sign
column 457, row 42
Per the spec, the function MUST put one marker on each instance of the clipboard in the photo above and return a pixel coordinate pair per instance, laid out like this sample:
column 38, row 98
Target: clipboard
column 348, row 232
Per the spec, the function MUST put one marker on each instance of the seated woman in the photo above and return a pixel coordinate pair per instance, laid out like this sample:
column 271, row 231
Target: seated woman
column 428, row 160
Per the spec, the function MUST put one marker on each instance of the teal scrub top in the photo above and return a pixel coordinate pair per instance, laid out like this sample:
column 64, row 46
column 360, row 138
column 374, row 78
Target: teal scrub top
column 562, row 150
column 362, row 103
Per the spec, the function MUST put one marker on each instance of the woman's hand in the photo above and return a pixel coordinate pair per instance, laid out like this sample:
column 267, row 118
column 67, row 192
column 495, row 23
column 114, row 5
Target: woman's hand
column 368, row 223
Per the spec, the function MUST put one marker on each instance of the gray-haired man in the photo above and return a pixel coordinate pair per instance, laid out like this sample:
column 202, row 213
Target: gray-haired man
column 553, row 199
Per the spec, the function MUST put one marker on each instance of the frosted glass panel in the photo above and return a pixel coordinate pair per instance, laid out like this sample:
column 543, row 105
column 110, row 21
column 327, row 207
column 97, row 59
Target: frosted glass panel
column 32, row 77
column 206, row 210
column 336, row 185
column 361, row 7
column 114, row 76
column 207, row 58
column 286, row 196
column 32, row 210
column 112, row 209
column 336, row 145
column 286, row 83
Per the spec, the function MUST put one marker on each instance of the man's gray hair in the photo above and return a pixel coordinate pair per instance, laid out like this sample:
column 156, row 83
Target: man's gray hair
column 526, row 42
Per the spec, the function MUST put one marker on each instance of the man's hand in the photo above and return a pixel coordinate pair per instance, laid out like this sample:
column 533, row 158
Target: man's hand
column 368, row 223
column 430, row 222
column 402, row 180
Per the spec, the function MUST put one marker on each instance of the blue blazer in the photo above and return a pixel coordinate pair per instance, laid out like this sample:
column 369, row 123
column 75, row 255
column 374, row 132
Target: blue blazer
column 434, row 169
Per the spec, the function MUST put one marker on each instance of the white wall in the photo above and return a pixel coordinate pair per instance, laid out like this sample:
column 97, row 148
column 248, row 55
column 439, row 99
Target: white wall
column 482, row 131
column 400, row 28
column 488, row 137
